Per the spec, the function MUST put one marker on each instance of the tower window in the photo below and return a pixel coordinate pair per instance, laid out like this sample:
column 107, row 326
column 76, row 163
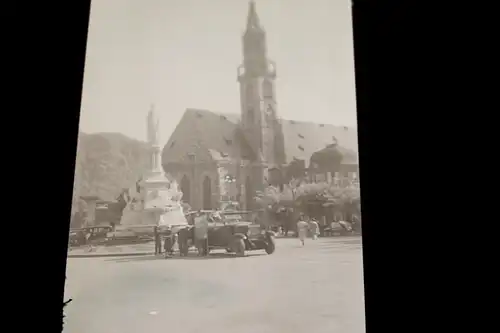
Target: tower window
column 249, row 92
column 300, row 147
column 267, row 88
column 300, row 136
column 251, row 116
column 229, row 142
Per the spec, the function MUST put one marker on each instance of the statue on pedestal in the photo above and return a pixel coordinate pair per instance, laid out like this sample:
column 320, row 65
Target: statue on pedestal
column 153, row 129
column 155, row 199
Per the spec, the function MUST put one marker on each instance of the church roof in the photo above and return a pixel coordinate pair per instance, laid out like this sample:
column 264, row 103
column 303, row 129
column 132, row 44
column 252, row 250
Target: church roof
column 207, row 135
column 215, row 136
column 302, row 139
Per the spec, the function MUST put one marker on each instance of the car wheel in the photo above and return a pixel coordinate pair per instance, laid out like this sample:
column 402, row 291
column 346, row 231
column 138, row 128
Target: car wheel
column 270, row 245
column 238, row 247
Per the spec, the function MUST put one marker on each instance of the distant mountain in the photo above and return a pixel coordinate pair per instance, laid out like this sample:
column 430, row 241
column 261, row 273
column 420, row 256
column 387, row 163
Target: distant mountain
column 106, row 163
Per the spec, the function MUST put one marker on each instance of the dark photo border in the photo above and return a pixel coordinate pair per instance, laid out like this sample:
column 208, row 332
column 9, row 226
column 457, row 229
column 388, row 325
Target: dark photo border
column 396, row 125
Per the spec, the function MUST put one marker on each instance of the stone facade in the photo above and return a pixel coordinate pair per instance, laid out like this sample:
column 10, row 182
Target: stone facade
column 219, row 157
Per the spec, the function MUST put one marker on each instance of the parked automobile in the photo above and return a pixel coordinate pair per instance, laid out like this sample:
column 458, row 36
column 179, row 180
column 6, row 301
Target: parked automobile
column 88, row 236
column 235, row 235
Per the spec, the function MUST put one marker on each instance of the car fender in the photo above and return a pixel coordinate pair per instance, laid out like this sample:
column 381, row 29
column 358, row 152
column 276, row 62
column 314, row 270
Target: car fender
column 270, row 234
column 240, row 236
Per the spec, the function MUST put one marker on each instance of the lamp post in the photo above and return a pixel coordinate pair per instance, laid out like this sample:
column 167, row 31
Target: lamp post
column 229, row 180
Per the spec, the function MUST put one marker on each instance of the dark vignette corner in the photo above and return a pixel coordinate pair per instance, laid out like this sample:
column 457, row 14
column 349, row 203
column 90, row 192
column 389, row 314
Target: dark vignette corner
column 388, row 139
column 57, row 80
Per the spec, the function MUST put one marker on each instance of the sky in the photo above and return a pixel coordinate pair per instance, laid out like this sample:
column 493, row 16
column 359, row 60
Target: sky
column 179, row 54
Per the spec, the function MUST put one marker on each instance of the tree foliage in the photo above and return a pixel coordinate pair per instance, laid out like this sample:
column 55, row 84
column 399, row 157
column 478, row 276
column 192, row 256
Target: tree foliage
column 273, row 196
column 301, row 193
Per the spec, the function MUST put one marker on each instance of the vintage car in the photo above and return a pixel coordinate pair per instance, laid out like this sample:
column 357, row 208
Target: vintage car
column 232, row 233
column 88, row 236
column 341, row 228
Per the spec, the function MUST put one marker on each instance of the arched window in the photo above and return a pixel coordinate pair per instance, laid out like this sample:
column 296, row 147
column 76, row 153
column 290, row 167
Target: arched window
column 207, row 193
column 249, row 94
column 186, row 190
column 251, row 115
column 249, row 194
column 249, row 103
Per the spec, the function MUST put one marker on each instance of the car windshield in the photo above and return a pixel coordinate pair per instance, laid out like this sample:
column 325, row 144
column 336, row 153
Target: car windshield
column 233, row 217
column 237, row 217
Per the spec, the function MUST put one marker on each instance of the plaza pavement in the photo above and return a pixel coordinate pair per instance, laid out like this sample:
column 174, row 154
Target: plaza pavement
column 111, row 251
column 315, row 289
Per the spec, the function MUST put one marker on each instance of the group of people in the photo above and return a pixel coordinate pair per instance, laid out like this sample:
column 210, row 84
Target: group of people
column 306, row 226
column 196, row 234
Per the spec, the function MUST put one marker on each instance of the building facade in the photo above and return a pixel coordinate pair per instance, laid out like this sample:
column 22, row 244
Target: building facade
column 219, row 158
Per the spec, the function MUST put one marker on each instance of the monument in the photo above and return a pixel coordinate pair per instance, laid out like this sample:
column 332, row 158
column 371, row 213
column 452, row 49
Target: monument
column 155, row 199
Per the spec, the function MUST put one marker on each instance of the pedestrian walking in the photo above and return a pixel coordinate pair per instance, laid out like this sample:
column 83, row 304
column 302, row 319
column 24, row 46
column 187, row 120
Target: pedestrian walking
column 88, row 240
column 314, row 227
column 157, row 238
column 302, row 229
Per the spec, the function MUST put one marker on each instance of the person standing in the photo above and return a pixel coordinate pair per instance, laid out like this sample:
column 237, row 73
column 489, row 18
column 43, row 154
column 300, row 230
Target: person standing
column 314, row 229
column 157, row 238
column 201, row 233
column 302, row 229
column 175, row 240
column 167, row 243
column 183, row 241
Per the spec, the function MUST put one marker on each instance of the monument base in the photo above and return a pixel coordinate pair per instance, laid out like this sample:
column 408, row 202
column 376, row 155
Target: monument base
column 158, row 202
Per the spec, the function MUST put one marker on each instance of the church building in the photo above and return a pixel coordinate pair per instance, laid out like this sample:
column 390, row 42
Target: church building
column 219, row 158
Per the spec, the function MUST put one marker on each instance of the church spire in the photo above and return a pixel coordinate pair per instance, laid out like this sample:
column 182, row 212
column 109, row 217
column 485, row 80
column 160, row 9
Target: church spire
column 254, row 44
column 253, row 22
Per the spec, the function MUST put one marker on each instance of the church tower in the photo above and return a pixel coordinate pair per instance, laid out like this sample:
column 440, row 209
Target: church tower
column 256, row 77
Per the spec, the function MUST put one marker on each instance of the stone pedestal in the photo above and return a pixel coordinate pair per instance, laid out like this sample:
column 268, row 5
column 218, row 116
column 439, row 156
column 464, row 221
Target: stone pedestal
column 158, row 201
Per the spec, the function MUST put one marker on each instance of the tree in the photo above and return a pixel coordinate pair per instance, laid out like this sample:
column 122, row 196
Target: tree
column 273, row 197
column 279, row 203
column 327, row 159
column 314, row 197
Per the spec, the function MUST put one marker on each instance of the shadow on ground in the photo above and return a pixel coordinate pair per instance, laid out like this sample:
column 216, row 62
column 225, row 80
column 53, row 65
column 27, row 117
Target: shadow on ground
column 176, row 257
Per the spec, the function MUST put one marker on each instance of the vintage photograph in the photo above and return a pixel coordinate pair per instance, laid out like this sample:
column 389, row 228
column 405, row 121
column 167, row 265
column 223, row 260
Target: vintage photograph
column 217, row 185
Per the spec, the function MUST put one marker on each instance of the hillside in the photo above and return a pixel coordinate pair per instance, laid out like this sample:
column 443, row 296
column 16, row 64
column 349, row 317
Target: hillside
column 106, row 163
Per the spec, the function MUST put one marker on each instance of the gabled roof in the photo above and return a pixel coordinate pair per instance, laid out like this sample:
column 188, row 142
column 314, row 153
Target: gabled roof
column 302, row 139
column 217, row 136
column 208, row 135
